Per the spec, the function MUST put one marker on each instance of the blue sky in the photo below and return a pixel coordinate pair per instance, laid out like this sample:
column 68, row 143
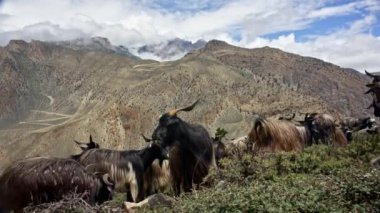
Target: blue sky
column 343, row 32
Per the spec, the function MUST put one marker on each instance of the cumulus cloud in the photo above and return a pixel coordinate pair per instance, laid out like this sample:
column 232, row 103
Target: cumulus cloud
column 335, row 10
column 241, row 22
column 350, row 47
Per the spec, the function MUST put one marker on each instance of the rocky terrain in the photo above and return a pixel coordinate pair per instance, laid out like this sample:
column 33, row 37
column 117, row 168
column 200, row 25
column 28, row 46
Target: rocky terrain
column 52, row 93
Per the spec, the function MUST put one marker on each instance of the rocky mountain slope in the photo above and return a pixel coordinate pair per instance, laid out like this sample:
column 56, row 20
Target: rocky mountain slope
column 96, row 44
column 52, row 94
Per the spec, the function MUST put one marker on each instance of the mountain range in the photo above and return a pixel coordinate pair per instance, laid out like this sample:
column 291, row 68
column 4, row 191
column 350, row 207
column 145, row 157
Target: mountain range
column 55, row 92
column 169, row 50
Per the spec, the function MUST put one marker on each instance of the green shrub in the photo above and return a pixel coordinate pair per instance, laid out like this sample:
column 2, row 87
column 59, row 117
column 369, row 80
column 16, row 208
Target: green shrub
column 320, row 179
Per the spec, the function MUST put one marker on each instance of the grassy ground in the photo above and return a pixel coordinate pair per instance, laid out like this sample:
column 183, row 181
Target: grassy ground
column 320, row 179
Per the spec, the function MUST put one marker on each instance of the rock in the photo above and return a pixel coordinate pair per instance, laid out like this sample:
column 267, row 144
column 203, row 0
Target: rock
column 376, row 162
column 153, row 201
column 220, row 185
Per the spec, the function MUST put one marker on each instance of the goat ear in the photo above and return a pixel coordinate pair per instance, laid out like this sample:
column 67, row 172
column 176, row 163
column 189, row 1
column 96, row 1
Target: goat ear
column 83, row 147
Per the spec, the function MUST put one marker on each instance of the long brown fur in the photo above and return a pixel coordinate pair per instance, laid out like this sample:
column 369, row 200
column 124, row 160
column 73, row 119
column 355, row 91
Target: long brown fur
column 157, row 178
column 38, row 180
column 272, row 135
column 340, row 138
column 326, row 122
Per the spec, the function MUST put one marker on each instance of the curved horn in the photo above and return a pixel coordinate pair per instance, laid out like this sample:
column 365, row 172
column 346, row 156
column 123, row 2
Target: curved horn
column 369, row 107
column 189, row 108
column 146, row 139
column 107, row 179
column 299, row 121
column 370, row 90
column 258, row 122
column 78, row 143
column 312, row 115
column 370, row 85
column 370, row 74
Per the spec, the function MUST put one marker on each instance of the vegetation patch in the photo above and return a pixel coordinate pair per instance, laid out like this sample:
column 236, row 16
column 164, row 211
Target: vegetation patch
column 320, row 179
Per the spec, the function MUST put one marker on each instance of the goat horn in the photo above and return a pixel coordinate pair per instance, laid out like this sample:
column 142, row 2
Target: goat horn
column 370, row 90
column 258, row 121
column 370, row 74
column 189, row 108
column 146, row 139
column 107, row 179
column 79, row 143
column 371, row 85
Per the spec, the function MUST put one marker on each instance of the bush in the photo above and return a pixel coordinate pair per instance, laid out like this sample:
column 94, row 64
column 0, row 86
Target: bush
column 321, row 179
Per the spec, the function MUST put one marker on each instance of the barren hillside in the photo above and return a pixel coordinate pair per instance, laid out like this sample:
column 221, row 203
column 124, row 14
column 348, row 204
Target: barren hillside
column 52, row 94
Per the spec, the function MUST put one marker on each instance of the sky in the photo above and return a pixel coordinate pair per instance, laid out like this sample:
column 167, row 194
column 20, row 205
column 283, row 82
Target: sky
column 343, row 32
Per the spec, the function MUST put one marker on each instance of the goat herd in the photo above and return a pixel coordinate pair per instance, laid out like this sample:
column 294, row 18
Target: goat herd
column 179, row 155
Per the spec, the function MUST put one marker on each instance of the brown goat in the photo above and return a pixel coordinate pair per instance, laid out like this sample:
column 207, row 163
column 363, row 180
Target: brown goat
column 231, row 148
column 40, row 180
column 323, row 128
column 271, row 135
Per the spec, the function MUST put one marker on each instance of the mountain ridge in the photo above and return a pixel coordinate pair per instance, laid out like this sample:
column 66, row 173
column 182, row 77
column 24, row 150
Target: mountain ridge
column 173, row 49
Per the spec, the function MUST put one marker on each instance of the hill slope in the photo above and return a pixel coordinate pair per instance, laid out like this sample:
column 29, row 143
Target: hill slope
column 53, row 94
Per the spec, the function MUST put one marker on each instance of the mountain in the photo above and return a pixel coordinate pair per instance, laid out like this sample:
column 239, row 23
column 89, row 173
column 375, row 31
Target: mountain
column 53, row 93
column 96, row 44
column 169, row 50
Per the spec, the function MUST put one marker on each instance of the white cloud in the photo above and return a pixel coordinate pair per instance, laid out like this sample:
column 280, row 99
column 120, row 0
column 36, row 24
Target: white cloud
column 185, row 6
column 138, row 22
column 41, row 31
column 115, row 18
column 336, row 10
column 350, row 48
